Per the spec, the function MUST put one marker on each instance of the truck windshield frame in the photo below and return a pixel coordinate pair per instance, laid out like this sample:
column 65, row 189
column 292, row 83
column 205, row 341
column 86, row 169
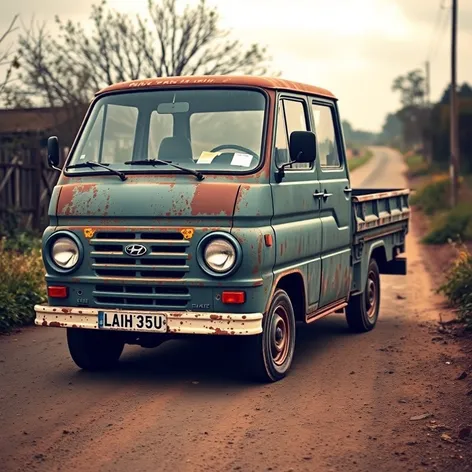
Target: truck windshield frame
column 247, row 107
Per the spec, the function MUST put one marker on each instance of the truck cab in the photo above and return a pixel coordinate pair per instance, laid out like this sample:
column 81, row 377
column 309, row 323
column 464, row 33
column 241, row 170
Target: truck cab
column 218, row 206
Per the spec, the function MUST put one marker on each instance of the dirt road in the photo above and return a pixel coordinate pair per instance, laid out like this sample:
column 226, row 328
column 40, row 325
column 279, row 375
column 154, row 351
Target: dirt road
column 346, row 405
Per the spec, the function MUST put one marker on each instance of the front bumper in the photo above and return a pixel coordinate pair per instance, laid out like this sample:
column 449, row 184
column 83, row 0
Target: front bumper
column 184, row 322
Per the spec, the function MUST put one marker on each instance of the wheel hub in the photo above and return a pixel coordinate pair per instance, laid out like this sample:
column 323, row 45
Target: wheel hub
column 280, row 336
column 371, row 296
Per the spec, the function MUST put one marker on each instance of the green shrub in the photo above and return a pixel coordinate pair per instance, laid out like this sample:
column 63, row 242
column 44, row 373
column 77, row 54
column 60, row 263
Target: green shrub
column 458, row 286
column 453, row 225
column 356, row 162
column 433, row 197
column 22, row 285
column 417, row 166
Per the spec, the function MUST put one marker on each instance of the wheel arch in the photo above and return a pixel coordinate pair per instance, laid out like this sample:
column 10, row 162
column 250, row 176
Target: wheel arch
column 375, row 250
column 294, row 284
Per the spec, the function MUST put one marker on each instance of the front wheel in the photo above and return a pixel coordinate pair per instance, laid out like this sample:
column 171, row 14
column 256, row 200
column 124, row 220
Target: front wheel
column 269, row 355
column 362, row 311
column 94, row 350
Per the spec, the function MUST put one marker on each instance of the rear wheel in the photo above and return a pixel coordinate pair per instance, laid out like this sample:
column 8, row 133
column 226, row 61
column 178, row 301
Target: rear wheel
column 94, row 350
column 269, row 355
column 362, row 311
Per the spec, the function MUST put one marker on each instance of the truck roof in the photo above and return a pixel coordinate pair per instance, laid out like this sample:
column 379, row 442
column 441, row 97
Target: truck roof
column 219, row 80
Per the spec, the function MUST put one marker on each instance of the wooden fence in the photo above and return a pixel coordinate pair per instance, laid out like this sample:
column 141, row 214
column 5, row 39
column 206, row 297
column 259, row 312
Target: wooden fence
column 26, row 184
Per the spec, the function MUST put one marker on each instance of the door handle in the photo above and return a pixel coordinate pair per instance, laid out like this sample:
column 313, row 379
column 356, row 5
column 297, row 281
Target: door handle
column 324, row 195
column 347, row 190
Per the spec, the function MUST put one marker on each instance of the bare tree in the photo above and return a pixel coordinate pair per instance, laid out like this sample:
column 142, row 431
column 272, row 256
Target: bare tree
column 7, row 58
column 68, row 68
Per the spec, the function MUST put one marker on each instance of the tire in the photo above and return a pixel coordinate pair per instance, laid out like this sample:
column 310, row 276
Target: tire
column 362, row 311
column 269, row 355
column 94, row 350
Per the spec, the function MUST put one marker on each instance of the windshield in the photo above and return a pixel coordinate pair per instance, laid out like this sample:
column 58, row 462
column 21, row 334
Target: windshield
column 202, row 129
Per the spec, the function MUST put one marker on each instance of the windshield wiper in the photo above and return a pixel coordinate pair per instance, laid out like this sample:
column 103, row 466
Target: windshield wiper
column 156, row 162
column 93, row 164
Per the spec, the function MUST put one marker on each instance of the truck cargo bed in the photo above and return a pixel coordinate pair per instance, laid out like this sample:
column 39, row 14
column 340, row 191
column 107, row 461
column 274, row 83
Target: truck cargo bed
column 379, row 211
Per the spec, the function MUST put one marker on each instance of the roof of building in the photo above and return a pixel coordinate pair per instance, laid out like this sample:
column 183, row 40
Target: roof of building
column 219, row 80
column 23, row 120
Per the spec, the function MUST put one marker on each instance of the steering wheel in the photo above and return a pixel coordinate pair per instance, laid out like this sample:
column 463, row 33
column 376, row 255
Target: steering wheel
column 235, row 146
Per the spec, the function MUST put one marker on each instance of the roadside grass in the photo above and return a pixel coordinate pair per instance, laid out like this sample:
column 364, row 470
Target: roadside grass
column 417, row 165
column 22, row 283
column 356, row 162
column 447, row 226
column 458, row 285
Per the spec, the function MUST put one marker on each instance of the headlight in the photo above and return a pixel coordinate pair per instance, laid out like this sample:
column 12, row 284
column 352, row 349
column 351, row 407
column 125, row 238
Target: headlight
column 220, row 255
column 65, row 253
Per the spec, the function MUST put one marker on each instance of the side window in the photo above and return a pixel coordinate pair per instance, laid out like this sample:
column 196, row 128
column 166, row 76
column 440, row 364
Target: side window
column 296, row 121
column 291, row 117
column 281, row 141
column 326, row 136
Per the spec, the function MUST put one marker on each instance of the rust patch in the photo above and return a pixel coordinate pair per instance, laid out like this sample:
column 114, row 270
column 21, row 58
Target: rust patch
column 216, row 317
column 66, row 310
column 44, row 323
column 54, row 324
column 214, row 199
column 221, row 331
column 243, row 189
column 65, row 204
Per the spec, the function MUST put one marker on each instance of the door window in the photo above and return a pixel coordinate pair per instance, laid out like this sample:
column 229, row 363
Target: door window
column 328, row 154
column 291, row 117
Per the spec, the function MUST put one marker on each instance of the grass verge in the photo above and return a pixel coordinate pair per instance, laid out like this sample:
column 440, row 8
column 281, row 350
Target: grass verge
column 22, row 283
column 356, row 162
column 458, row 285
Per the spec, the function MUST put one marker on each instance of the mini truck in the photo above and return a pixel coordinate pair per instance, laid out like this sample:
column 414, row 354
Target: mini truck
column 217, row 205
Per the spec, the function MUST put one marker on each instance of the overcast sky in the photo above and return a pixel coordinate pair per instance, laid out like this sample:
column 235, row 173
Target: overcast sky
column 355, row 48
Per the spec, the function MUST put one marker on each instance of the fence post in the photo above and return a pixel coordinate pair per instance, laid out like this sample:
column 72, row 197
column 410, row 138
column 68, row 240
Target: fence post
column 36, row 159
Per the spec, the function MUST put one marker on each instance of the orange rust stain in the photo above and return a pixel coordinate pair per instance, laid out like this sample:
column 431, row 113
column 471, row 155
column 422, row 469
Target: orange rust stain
column 65, row 203
column 221, row 331
column 270, row 83
column 214, row 199
column 242, row 191
column 66, row 310
column 54, row 324
column 216, row 317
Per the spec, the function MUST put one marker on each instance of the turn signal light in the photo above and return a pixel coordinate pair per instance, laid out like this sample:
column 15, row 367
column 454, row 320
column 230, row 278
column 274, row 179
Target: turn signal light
column 233, row 298
column 57, row 292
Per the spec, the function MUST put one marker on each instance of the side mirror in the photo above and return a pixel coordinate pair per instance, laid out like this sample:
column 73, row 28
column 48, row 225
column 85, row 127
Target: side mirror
column 303, row 146
column 53, row 152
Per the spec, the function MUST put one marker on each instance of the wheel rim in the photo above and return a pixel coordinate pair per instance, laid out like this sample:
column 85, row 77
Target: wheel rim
column 280, row 336
column 371, row 298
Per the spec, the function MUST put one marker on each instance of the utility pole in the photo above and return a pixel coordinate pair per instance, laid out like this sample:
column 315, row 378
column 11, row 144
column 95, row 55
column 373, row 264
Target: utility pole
column 454, row 166
column 427, row 117
column 427, row 85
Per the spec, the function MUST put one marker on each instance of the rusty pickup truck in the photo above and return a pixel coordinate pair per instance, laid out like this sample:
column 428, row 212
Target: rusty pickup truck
column 217, row 205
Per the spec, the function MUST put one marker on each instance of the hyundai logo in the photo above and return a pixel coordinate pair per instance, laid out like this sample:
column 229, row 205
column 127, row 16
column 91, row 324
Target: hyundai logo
column 135, row 250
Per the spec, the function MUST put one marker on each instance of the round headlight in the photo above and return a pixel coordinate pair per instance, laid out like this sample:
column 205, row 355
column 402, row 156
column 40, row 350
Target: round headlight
column 65, row 253
column 220, row 255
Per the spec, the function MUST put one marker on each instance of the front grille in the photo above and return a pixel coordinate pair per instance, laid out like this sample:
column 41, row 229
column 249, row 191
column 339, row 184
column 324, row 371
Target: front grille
column 166, row 255
column 141, row 296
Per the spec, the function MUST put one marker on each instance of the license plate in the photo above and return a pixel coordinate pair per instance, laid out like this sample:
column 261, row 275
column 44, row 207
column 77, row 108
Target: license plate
column 132, row 321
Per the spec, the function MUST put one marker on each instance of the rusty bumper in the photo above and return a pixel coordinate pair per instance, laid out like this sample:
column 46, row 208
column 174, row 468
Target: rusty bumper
column 177, row 322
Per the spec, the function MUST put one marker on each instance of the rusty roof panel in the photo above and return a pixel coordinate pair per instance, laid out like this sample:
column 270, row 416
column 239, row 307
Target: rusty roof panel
column 219, row 80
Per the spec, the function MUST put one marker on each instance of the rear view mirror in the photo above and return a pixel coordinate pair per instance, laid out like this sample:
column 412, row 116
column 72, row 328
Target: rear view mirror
column 302, row 146
column 169, row 108
column 53, row 152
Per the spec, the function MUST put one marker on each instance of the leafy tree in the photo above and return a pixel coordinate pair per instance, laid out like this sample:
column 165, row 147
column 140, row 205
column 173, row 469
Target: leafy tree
column 68, row 68
column 7, row 58
column 411, row 87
